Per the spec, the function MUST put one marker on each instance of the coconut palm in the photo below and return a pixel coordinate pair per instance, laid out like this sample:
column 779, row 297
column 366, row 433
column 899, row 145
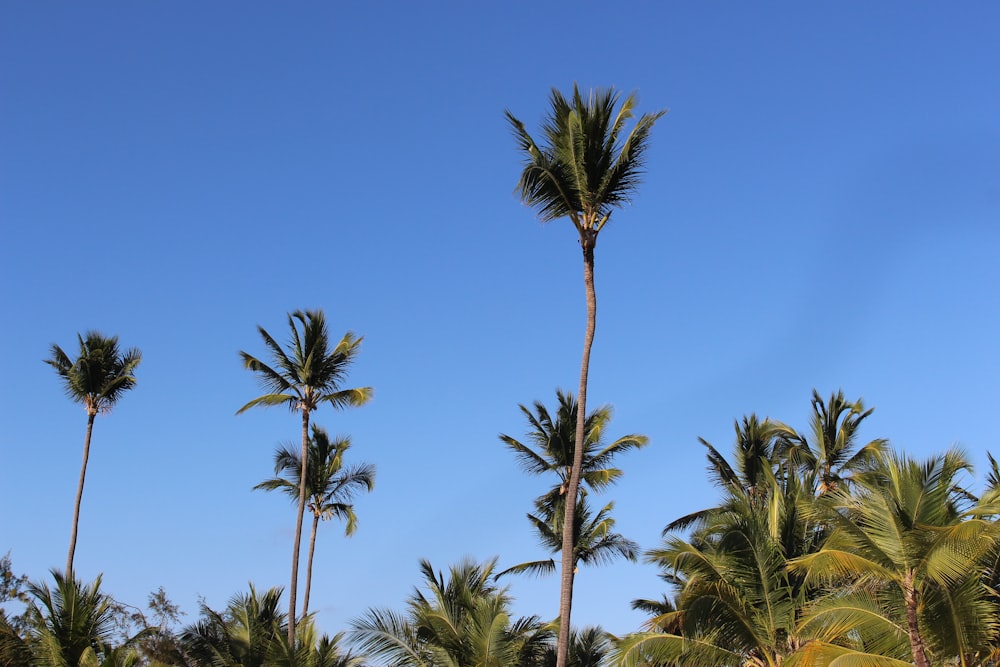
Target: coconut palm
column 304, row 376
column 736, row 603
column 97, row 378
column 595, row 542
column 552, row 444
column 904, row 562
column 586, row 168
column 329, row 486
column 243, row 635
column 461, row 621
column 74, row 623
column 833, row 456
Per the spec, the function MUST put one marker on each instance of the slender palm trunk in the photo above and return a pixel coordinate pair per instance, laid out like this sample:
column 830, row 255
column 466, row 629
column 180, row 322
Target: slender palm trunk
column 920, row 658
column 587, row 241
column 298, row 528
column 309, row 565
column 79, row 495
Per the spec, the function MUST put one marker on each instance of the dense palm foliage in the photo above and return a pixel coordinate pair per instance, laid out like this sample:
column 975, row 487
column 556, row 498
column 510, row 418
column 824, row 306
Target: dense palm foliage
column 854, row 556
column 73, row 626
column 98, row 378
column 586, row 167
column 306, row 375
column 903, row 564
column 463, row 620
column 330, row 486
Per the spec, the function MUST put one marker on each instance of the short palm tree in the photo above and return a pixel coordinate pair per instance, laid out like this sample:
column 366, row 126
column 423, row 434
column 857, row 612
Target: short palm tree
column 245, row 634
column 551, row 445
column 329, row 486
column 461, row 621
column 587, row 167
column 74, row 623
column 304, row 376
column 97, row 378
column 595, row 541
column 904, row 563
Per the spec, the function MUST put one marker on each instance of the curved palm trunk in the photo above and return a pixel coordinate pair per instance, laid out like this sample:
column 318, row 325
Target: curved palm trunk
column 309, row 565
column 79, row 495
column 298, row 527
column 587, row 240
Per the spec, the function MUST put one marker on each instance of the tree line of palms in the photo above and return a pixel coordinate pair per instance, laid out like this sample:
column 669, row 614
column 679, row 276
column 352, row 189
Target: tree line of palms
column 821, row 551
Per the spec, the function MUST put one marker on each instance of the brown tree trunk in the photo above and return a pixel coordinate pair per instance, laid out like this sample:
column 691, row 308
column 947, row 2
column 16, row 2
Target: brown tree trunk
column 298, row 528
column 309, row 565
column 917, row 648
column 79, row 495
column 587, row 240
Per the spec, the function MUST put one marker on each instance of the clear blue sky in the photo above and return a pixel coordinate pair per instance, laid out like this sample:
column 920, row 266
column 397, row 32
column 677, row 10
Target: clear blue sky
column 822, row 209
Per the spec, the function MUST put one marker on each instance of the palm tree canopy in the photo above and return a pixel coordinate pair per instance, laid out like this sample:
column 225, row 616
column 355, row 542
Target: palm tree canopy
column 587, row 165
column 76, row 620
column 329, row 486
column 100, row 374
column 309, row 372
column 595, row 541
column 553, row 440
column 459, row 621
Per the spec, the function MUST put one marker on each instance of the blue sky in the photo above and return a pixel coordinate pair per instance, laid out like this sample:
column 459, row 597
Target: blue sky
column 821, row 210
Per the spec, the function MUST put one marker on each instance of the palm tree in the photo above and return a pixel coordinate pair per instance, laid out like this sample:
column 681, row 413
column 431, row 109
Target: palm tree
column 461, row 621
column 594, row 539
column 243, row 635
column 303, row 377
column 329, row 486
column 73, row 624
column 98, row 378
column 552, row 445
column 833, row 457
column 586, row 169
column 904, row 563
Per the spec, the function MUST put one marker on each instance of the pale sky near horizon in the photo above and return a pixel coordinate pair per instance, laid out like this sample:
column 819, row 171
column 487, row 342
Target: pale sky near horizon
column 821, row 210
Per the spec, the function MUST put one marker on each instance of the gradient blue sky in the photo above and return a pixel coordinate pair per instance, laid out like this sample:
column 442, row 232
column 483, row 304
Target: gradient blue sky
column 821, row 210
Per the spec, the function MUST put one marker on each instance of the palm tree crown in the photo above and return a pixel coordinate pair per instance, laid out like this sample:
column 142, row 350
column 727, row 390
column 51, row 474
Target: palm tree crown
column 101, row 373
column 309, row 373
column 587, row 168
column 552, row 442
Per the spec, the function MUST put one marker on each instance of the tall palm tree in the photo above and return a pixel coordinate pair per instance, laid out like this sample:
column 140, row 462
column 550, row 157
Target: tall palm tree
column 329, row 486
column 904, row 560
column 303, row 377
column 461, row 621
column 586, row 168
column 97, row 378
